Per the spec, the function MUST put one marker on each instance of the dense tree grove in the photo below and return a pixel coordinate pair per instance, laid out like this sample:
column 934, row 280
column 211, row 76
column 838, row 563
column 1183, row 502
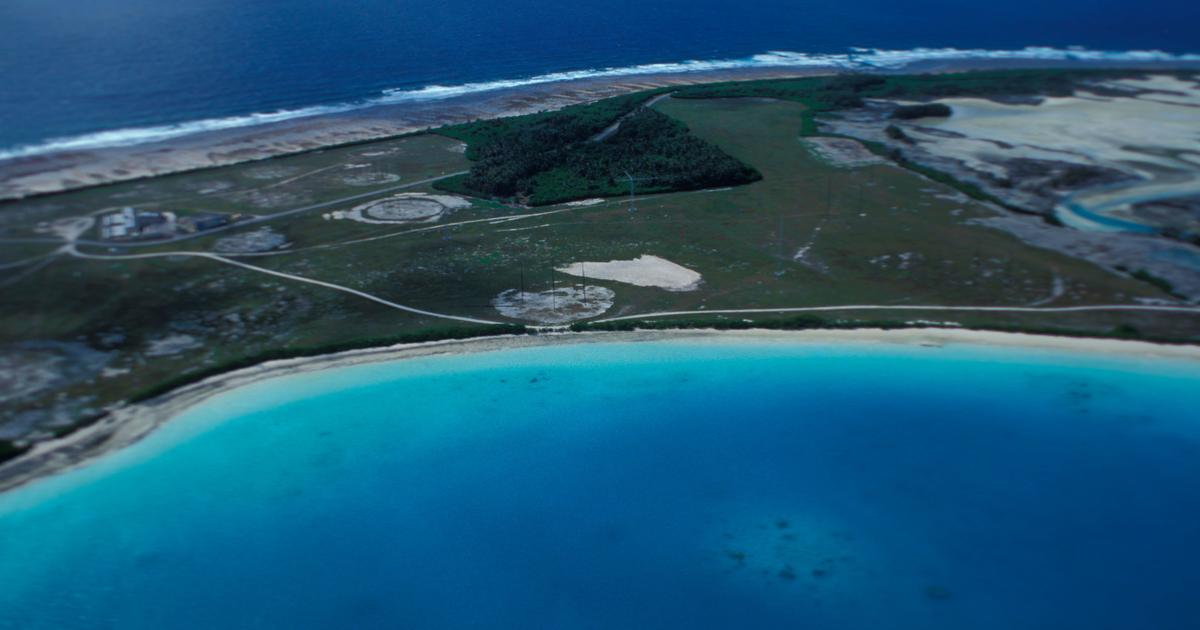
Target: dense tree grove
column 560, row 156
column 923, row 110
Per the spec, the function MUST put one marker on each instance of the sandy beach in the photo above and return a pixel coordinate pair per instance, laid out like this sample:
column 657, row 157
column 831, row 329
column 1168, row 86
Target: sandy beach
column 69, row 170
column 129, row 424
column 49, row 173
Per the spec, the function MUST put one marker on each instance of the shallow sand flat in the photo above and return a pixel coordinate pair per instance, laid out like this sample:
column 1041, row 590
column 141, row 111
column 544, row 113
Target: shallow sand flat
column 1165, row 88
column 1082, row 129
column 129, row 424
column 843, row 152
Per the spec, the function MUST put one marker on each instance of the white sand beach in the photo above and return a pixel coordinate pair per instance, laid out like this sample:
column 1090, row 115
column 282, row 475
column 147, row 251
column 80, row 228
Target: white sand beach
column 131, row 423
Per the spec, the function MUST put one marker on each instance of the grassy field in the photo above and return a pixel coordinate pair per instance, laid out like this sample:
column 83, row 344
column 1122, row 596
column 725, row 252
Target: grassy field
column 253, row 188
column 810, row 233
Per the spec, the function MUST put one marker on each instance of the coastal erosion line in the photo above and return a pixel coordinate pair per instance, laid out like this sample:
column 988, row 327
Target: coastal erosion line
column 61, row 171
column 130, row 423
column 38, row 175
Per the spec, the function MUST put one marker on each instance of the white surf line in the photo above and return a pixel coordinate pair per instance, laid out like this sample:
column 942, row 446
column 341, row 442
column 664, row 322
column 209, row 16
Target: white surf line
column 879, row 307
column 288, row 276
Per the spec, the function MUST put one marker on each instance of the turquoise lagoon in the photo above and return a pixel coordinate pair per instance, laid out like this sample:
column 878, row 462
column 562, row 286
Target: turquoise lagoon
column 674, row 484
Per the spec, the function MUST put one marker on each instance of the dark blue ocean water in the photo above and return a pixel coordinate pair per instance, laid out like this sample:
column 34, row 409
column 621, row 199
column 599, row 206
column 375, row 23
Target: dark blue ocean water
column 663, row 485
column 72, row 68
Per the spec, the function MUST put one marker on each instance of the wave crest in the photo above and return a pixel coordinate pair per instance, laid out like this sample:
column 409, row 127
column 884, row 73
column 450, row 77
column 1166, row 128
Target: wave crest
column 855, row 59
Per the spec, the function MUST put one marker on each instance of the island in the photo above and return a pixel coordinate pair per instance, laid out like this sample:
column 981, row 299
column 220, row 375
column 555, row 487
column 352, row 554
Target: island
column 1055, row 201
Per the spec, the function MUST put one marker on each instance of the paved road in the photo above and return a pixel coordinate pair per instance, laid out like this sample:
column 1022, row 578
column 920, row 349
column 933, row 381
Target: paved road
column 1191, row 310
column 279, row 274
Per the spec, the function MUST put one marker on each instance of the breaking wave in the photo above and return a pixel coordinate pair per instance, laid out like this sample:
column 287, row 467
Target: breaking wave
column 856, row 59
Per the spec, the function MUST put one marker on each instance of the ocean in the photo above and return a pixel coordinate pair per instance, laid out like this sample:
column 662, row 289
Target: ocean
column 673, row 484
column 82, row 74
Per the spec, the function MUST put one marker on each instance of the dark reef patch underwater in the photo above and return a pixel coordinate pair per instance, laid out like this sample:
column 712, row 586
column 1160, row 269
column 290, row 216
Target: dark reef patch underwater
column 682, row 484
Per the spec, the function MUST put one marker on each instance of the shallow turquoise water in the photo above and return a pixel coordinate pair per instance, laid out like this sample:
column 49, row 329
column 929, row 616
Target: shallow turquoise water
column 671, row 484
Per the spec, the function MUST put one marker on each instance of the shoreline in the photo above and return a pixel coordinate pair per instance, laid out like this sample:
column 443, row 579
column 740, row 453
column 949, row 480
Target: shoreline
column 68, row 170
column 130, row 423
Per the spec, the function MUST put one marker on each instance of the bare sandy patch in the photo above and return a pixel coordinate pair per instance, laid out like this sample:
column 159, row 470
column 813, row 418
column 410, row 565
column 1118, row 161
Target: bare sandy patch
column 557, row 306
column 208, row 187
column 374, row 154
column 1160, row 87
column 32, row 368
column 644, row 271
column 261, row 240
column 584, row 203
column 171, row 345
column 842, row 152
column 1123, row 132
column 69, row 228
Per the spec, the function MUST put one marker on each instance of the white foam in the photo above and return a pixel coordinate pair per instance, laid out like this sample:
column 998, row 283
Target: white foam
column 857, row 59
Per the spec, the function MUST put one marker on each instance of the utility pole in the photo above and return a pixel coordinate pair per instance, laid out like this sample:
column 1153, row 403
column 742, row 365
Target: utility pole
column 583, row 272
column 522, row 282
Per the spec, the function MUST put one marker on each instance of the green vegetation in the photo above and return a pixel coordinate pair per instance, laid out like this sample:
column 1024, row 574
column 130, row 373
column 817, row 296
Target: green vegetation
column 561, row 156
column 9, row 450
column 896, row 133
column 276, row 354
column 924, row 110
column 795, row 322
column 827, row 94
column 941, row 177
column 812, row 322
column 570, row 124
column 849, row 90
column 1151, row 279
